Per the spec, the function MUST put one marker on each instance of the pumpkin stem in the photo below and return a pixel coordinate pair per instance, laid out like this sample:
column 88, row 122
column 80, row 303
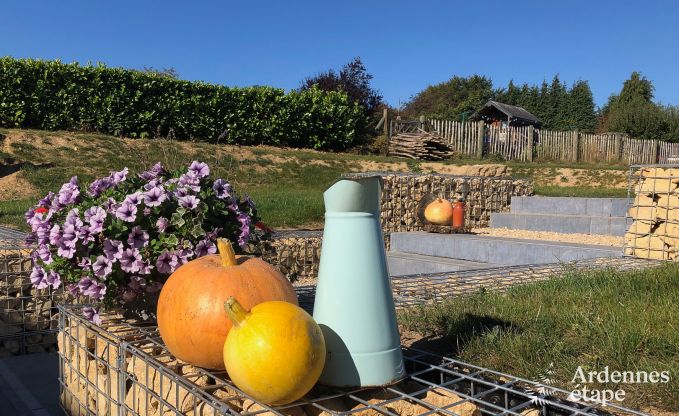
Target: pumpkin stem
column 226, row 252
column 235, row 311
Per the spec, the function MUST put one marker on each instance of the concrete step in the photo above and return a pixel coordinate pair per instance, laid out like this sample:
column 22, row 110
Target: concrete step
column 409, row 263
column 597, row 207
column 496, row 250
column 559, row 223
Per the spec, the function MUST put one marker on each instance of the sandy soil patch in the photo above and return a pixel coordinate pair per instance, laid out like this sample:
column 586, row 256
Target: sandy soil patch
column 13, row 186
column 581, row 177
column 601, row 240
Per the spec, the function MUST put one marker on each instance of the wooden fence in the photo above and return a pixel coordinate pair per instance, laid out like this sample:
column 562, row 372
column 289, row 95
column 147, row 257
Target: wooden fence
column 526, row 144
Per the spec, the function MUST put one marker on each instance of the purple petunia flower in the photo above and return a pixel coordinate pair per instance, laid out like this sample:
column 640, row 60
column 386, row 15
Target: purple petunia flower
column 92, row 315
column 102, row 267
column 189, row 201
column 55, row 235
column 28, row 215
column 85, row 235
column 73, row 218
column 53, row 279
column 152, row 173
column 222, row 189
column 96, row 217
column 38, row 276
column 155, row 196
column 181, row 192
column 205, row 247
column 129, row 260
column 85, row 263
column 162, row 224
column 138, row 238
column 43, row 252
column 134, row 198
column 47, row 200
column 113, row 249
column 110, row 205
column 185, row 252
column 166, row 262
column 212, row 235
column 244, row 236
column 73, row 289
column 127, row 212
column 43, row 234
column 199, row 169
column 92, row 288
column 68, row 194
column 190, row 180
column 118, row 177
column 144, row 266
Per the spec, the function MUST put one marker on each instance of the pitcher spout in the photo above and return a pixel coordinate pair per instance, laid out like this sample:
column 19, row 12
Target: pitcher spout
column 354, row 195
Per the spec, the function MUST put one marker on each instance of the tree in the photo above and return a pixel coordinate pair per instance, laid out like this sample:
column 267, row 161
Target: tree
column 353, row 79
column 456, row 99
column 170, row 72
column 580, row 107
column 634, row 112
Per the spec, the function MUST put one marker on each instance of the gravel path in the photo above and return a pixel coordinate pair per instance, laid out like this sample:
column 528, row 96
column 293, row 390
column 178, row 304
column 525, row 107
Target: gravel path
column 601, row 240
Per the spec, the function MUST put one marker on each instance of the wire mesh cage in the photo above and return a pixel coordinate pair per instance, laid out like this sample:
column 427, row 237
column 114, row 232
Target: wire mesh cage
column 295, row 253
column 653, row 212
column 28, row 322
column 402, row 193
column 123, row 368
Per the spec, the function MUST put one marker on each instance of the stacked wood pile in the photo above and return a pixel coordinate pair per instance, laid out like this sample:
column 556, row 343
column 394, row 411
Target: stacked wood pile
column 99, row 377
column 402, row 194
column 420, row 145
column 26, row 314
column 654, row 232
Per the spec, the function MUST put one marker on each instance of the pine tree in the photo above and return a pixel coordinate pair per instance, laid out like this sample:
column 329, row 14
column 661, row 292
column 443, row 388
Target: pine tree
column 581, row 112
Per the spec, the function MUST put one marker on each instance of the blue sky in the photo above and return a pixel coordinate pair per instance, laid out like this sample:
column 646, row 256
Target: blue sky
column 405, row 45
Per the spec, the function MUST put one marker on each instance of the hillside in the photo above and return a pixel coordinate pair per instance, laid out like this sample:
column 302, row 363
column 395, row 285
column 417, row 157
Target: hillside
column 285, row 183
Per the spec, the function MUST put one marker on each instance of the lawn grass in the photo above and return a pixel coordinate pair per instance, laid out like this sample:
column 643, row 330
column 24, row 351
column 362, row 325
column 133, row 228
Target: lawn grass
column 287, row 184
column 580, row 191
column 12, row 213
column 628, row 321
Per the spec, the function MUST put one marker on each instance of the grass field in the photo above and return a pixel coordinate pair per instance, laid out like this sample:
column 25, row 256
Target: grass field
column 287, row 184
column 627, row 321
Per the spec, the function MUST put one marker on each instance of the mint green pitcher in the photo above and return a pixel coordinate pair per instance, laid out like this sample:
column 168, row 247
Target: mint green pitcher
column 354, row 305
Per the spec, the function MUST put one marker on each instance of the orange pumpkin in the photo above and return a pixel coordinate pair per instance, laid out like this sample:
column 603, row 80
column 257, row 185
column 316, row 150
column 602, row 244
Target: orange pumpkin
column 191, row 318
column 439, row 212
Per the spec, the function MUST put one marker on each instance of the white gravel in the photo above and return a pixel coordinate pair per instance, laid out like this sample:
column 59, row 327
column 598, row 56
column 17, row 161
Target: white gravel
column 601, row 240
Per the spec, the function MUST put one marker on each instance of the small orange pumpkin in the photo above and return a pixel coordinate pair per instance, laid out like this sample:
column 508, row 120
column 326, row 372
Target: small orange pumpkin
column 191, row 318
column 439, row 212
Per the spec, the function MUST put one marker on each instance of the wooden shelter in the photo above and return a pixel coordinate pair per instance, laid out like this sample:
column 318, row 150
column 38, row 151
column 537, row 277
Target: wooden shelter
column 494, row 112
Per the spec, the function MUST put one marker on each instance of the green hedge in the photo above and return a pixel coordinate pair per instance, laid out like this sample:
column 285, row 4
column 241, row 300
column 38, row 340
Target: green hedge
column 51, row 95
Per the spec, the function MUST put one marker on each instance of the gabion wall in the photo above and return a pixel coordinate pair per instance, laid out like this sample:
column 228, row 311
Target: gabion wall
column 28, row 321
column 653, row 212
column 403, row 192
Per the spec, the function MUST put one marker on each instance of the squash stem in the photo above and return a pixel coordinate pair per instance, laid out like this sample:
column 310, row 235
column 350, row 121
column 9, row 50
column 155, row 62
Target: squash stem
column 235, row 311
column 226, row 252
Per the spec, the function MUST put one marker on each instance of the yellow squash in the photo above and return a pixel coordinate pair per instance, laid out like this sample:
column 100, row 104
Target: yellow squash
column 275, row 353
